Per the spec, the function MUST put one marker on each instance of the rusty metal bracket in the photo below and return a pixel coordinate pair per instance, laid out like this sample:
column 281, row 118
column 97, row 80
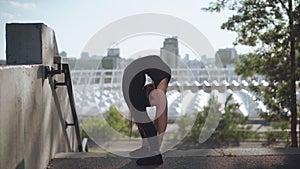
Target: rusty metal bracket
column 68, row 124
column 63, row 67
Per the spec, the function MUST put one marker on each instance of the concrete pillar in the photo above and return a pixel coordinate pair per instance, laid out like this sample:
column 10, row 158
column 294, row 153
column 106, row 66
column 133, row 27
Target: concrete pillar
column 30, row 43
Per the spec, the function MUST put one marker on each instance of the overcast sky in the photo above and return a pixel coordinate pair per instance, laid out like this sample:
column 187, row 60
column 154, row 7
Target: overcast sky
column 76, row 21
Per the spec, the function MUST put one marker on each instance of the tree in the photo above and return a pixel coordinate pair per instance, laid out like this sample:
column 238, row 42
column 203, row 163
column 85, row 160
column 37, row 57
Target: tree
column 278, row 132
column 231, row 128
column 63, row 54
column 95, row 127
column 102, row 125
column 117, row 121
column 269, row 26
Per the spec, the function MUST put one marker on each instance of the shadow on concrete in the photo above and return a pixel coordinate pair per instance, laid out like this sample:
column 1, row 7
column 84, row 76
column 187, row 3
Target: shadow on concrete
column 21, row 165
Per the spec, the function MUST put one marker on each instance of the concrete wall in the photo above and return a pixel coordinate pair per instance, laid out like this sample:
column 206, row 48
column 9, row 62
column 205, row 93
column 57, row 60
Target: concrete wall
column 30, row 129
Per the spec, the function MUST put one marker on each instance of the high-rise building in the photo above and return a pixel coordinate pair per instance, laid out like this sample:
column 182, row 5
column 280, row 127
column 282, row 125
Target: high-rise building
column 226, row 57
column 170, row 52
column 113, row 52
column 112, row 60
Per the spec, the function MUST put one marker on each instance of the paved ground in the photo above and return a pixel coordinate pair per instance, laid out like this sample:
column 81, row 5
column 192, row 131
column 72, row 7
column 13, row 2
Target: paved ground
column 239, row 158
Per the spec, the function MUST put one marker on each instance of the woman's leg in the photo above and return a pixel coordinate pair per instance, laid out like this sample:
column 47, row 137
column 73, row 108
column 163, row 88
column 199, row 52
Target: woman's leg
column 148, row 132
column 139, row 100
column 162, row 117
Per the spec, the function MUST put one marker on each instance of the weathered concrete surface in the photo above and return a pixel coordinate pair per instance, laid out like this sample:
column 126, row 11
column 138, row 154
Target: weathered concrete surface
column 30, row 130
column 189, row 159
column 30, row 43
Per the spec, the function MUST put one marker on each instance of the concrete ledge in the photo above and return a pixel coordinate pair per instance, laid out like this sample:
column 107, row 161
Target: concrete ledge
column 234, row 158
column 80, row 155
column 193, row 152
column 198, row 153
column 259, row 151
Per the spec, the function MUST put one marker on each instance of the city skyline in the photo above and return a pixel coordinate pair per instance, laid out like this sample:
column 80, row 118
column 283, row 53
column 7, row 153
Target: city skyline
column 75, row 23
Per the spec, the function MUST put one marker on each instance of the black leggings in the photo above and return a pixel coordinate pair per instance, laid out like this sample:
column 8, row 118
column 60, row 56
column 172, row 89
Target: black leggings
column 140, row 101
column 148, row 130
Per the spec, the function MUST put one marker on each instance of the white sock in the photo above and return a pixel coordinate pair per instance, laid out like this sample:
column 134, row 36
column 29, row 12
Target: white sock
column 145, row 143
column 160, row 139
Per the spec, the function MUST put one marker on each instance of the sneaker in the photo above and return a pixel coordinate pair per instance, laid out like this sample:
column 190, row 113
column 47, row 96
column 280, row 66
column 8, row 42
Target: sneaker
column 141, row 152
column 154, row 160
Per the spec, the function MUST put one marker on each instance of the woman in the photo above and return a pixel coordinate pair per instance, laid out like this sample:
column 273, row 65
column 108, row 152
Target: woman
column 138, row 96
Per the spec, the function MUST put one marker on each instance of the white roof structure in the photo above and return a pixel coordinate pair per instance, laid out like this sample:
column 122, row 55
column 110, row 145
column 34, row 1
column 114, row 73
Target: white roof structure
column 186, row 94
column 91, row 100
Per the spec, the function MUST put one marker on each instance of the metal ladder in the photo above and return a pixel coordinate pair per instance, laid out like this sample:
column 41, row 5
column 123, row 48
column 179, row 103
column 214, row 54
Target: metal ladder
column 63, row 68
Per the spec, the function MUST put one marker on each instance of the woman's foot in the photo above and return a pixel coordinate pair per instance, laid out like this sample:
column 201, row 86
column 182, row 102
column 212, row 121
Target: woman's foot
column 154, row 160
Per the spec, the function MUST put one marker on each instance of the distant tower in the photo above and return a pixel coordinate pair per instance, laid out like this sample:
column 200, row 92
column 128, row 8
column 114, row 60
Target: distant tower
column 226, row 57
column 85, row 55
column 113, row 52
column 112, row 60
column 170, row 52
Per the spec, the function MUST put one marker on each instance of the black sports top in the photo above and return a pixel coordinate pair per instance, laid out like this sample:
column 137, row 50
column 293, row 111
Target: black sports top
column 134, row 79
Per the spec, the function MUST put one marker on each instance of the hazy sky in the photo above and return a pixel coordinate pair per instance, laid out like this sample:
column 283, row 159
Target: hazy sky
column 76, row 21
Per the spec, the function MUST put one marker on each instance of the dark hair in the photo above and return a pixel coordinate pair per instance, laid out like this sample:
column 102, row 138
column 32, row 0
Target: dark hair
column 148, row 88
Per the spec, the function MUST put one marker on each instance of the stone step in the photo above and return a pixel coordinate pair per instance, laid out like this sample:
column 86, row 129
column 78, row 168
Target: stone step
column 240, row 158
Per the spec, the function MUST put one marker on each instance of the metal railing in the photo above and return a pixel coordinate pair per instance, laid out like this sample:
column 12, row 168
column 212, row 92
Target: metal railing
column 63, row 68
